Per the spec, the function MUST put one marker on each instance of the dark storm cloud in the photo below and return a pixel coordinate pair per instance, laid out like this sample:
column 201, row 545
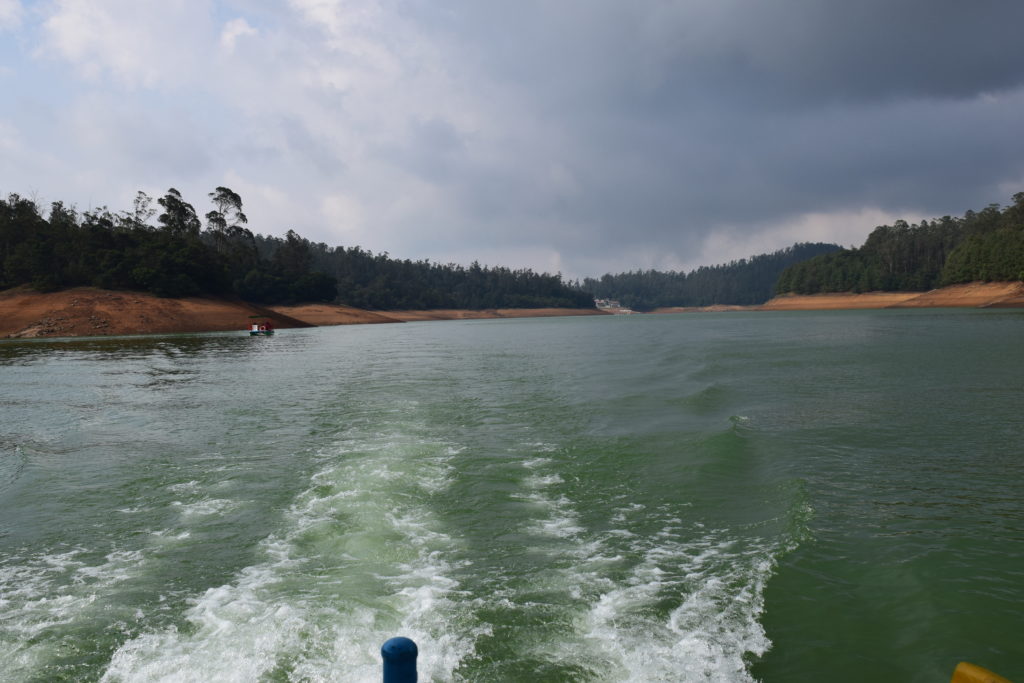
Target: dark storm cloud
column 677, row 118
column 578, row 134
column 431, row 149
column 787, row 50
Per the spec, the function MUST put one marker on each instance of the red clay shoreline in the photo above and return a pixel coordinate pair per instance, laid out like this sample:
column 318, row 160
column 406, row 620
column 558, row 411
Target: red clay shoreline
column 970, row 295
column 91, row 312
column 88, row 312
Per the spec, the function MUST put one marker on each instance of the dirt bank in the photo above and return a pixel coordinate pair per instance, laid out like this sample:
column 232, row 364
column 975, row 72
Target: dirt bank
column 333, row 314
column 85, row 312
column 971, row 295
column 828, row 302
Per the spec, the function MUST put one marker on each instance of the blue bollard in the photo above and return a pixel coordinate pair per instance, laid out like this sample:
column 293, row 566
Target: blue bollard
column 399, row 660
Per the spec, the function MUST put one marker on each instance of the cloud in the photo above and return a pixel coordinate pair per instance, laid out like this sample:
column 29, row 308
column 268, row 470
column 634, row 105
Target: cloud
column 11, row 13
column 140, row 143
column 135, row 43
column 784, row 53
column 580, row 134
column 233, row 30
column 8, row 138
column 847, row 228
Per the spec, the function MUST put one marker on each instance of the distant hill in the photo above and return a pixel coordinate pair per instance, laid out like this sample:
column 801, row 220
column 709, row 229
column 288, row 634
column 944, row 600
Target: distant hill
column 986, row 246
column 746, row 282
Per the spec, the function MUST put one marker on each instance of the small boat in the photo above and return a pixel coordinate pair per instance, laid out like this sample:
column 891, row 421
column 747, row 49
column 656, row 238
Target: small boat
column 263, row 329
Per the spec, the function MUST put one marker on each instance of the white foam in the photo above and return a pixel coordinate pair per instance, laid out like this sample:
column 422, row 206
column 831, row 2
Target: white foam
column 543, row 481
column 167, row 535
column 184, row 487
column 622, row 581
column 119, row 565
column 359, row 559
column 560, row 518
column 205, row 507
column 707, row 636
column 43, row 591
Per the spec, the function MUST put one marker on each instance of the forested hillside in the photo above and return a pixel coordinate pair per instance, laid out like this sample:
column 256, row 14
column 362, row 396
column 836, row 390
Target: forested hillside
column 987, row 245
column 181, row 256
column 745, row 282
column 377, row 281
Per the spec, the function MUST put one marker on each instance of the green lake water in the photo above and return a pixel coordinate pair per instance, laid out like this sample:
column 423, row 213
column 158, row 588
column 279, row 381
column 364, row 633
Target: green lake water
column 781, row 497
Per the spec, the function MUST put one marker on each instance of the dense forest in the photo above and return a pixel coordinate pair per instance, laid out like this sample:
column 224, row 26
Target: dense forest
column 985, row 245
column 744, row 282
column 180, row 256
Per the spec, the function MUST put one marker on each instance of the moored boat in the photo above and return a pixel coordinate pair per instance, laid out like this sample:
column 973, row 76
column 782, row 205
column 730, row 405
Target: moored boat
column 263, row 329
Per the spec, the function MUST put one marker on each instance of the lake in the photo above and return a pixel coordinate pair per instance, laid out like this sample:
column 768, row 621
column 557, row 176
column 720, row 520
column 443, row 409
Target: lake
column 700, row 497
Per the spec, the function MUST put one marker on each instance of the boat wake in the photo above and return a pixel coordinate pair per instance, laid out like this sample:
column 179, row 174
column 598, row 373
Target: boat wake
column 360, row 557
column 679, row 604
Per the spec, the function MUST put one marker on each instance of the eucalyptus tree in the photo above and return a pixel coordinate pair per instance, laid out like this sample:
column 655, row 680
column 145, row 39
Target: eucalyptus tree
column 225, row 225
column 179, row 217
column 227, row 216
column 142, row 212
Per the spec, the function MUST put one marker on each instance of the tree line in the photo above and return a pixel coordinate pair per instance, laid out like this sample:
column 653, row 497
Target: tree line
column 986, row 245
column 744, row 282
column 184, row 255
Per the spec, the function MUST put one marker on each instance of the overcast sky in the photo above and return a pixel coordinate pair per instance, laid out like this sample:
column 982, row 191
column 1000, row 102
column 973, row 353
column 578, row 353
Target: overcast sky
column 581, row 136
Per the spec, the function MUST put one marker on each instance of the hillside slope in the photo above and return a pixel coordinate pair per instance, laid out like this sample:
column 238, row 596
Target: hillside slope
column 86, row 311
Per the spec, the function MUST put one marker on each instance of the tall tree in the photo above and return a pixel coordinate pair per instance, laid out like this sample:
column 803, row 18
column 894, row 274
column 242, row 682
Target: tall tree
column 227, row 216
column 179, row 217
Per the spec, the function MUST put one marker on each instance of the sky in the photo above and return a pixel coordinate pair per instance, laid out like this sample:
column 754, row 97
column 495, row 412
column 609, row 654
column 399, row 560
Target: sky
column 572, row 136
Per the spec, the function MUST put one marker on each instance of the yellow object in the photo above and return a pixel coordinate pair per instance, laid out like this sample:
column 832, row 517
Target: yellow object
column 971, row 673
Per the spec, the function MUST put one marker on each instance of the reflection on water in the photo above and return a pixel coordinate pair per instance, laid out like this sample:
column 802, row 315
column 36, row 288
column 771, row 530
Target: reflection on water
column 127, row 348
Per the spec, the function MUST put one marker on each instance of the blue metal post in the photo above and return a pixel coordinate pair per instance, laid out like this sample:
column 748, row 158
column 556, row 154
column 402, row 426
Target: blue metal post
column 399, row 660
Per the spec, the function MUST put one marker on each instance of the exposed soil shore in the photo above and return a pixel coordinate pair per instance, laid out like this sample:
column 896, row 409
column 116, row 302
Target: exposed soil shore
column 333, row 314
column 971, row 295
column 86, row 311
column 838, row 301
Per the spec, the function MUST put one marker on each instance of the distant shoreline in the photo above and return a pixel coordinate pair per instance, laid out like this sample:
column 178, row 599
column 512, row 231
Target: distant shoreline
column 335, row 314
column 971, row 295
column 89, row 312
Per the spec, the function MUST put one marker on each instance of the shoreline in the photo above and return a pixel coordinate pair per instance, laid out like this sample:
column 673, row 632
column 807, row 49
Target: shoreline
column 970, row 295
column 91, row 312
